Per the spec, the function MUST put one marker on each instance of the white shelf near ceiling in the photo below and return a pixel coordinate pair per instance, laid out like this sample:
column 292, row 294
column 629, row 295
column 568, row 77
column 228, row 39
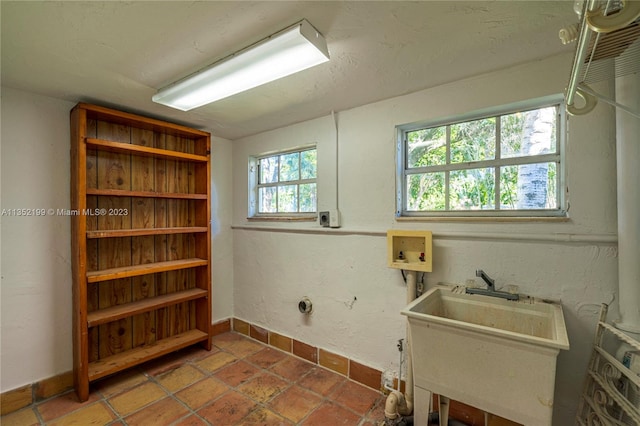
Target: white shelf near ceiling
column 608, row 46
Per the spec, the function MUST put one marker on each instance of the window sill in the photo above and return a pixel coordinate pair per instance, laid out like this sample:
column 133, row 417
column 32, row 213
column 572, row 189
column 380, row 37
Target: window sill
column 471, row 219
column 283, row 218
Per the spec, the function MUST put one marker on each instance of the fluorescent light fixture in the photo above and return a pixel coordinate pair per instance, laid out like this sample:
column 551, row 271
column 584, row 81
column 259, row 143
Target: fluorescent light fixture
column 291, row 50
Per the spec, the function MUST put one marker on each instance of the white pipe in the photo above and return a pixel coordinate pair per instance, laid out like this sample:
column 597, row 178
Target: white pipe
column 581, row 54
column 628, row 175
column 412, row 279
column 397, row 403
column 499, row 236
column 401, row 349
column 337, row 147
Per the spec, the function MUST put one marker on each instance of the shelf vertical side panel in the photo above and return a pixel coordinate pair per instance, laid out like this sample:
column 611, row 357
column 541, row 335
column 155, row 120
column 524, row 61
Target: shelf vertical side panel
column 93, row 300
column 78, row 253
column 191, row 220
column 202, row 173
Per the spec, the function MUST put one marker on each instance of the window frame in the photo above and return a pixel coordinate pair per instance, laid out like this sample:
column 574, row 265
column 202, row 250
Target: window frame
column 255, row 185
column 558, row 157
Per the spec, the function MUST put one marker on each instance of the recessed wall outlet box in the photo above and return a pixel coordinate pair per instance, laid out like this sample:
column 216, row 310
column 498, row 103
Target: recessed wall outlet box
column 323, row 218
column 409, row 250
column 329, row 219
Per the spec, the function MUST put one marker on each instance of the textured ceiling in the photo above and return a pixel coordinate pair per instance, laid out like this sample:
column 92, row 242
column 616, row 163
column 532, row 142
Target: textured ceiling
column 119, row 53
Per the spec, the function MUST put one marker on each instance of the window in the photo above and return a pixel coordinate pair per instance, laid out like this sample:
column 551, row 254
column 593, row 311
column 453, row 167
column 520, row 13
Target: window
column 504, row 163
column 284, row 183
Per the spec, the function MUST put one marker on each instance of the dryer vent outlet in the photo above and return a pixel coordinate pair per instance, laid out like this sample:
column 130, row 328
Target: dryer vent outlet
column 304, row 306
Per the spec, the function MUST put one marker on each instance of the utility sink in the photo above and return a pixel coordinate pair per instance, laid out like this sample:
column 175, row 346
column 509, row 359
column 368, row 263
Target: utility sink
column 494, row 354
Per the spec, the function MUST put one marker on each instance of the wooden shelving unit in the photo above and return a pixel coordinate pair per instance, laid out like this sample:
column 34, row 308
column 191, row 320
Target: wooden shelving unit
column 140, row 203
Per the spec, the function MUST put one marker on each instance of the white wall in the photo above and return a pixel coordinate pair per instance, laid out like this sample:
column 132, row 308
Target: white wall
column 356, row 298
column 222, row 243
column 36, row 263
column 36, row 251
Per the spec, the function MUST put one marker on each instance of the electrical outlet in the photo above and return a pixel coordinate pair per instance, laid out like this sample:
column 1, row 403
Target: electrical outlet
column 323, row 218
column 329, row 218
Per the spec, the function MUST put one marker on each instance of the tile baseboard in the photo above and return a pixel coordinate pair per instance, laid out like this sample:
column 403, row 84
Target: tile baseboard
column 347, row 367
column 15, row 399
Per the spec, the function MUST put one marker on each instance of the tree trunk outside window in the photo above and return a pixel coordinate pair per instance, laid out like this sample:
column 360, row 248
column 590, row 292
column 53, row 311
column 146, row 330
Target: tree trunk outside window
column 533, row 178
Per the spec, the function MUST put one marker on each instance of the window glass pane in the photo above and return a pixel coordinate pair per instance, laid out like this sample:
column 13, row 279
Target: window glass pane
column 307, row 197
column 472, row 189
column 528, row 133
column 289, row 167
column 288, row 199
column 473, row 140
column 267, row 200
column 268, row 170
column 425, row 191
column 427, row 147
column 528, row 186
column 308, row 164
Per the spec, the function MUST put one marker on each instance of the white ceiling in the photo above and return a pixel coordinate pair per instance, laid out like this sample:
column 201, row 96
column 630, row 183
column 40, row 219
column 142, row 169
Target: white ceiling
column 119, row 53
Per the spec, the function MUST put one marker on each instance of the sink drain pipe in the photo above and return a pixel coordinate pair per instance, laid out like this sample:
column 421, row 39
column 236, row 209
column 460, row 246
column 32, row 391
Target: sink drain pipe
column 398, row 404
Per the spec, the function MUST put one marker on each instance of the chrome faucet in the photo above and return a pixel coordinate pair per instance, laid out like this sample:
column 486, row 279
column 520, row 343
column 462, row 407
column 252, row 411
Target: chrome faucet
column 491, row 284
column 491, row 288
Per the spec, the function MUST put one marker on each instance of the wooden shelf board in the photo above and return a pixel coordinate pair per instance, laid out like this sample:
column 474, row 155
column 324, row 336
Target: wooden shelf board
column 128, row 119
column 145, row 231
column 144, row 269
column 123, row 360
column 115, row 313
column 144, row 194
column 143, row 150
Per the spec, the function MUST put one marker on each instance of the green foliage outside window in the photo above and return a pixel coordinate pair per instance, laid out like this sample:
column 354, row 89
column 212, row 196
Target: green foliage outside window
column 484, row 164
column 287, row 182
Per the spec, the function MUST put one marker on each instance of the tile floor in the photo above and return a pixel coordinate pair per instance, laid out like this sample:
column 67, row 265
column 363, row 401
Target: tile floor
column 239, row 382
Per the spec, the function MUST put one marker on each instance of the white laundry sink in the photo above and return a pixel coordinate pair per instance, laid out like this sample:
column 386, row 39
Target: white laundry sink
column 494, row 354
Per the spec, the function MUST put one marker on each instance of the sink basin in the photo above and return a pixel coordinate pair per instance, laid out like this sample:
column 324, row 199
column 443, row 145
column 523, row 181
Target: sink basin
column 494, row 354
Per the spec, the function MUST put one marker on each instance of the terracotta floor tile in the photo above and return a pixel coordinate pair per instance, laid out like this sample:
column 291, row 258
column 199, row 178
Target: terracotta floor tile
column 229, row 409
column 243, row 348
column 264, row 417
column 331, row 414
column 95, row 414
column 239, row 382
column 225, row 340
column 192, row 420
column 266, row 357
column 295, row 403
column 24, row 417
column 377, row 413
column 321, row 381
column 180, row 377
column 236, row 373
column 216, row 361
column 356, row 397
column 63, row 404
column 163, row 412
column 202, row 392
column 263, row 387
column 292, row 368
column 136, row 398
column 120, row 382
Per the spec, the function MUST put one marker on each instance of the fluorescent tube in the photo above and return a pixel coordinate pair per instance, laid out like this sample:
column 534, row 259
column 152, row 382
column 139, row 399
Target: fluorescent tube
column 289, row 51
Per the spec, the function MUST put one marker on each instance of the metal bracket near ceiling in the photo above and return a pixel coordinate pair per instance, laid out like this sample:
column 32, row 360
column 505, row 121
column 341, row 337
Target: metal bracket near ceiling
column 608, row 46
